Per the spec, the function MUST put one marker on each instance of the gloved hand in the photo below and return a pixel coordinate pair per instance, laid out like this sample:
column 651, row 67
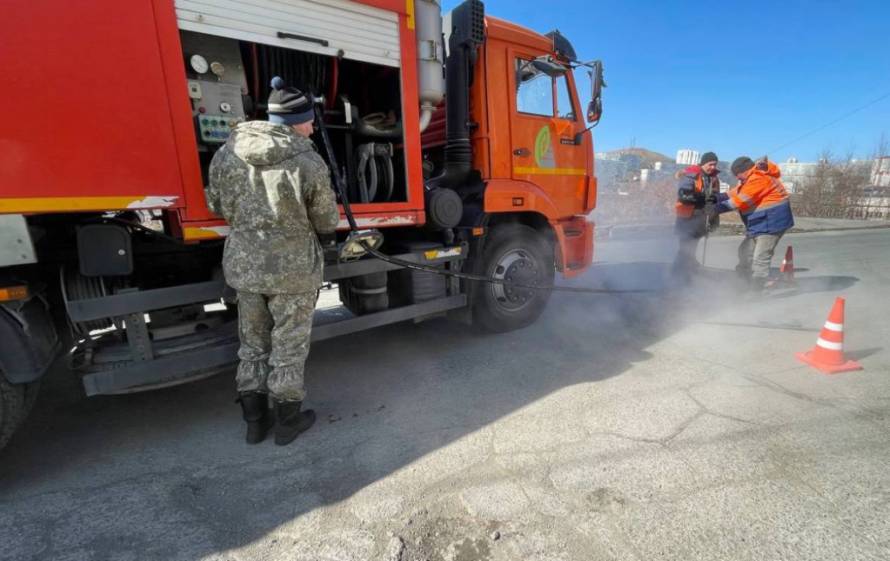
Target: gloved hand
column 689, row 196
column 762, row 164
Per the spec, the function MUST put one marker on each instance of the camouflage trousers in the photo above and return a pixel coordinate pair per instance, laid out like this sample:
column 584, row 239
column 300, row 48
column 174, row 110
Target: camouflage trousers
column 274, row 331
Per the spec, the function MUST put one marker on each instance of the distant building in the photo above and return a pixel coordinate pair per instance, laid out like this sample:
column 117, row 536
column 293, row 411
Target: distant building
column 688, row 156
column 880, row 172
column 795, row 174
column 865, row 168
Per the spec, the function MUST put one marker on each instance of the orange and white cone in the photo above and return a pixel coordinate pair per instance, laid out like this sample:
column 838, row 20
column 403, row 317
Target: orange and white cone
column 828, row 354
column 787, row 268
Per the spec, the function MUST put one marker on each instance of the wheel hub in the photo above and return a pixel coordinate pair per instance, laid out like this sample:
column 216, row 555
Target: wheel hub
column 517, row 267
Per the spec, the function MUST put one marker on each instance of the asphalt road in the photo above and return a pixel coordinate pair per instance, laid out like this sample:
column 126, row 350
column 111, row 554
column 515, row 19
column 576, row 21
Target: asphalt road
column 676, row 425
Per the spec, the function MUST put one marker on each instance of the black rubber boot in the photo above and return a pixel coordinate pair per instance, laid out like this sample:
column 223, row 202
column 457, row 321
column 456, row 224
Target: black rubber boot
column 255, row 407
column 291, row 421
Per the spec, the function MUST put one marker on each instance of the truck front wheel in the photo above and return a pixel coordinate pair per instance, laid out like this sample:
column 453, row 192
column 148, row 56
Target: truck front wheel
column 514, row 253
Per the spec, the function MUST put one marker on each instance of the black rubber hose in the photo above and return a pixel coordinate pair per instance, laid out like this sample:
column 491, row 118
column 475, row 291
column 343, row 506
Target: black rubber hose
column 339, row 183
column 375, row 177
column 490, row 280
column 390, row 175
column 363, row 183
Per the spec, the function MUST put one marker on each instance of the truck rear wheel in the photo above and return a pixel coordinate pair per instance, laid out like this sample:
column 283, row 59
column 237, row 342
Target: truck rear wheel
column 13, row 408
column 520, row 254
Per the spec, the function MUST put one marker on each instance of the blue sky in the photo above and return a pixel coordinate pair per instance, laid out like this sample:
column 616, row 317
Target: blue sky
column 733, row 77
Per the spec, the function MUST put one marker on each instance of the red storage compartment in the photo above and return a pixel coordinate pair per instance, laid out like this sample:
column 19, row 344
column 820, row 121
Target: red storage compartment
column 71, row 141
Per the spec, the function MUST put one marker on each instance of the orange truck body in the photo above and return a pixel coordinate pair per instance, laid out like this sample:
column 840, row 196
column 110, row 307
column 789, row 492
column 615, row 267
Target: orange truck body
column 563, row 187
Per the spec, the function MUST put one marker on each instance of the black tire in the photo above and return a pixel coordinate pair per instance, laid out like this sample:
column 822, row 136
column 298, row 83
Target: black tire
column 12, row 409
column 30, row 390
column 520, row 253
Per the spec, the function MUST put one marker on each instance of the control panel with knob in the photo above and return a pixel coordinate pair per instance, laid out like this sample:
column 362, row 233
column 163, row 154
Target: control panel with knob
column 215, row 129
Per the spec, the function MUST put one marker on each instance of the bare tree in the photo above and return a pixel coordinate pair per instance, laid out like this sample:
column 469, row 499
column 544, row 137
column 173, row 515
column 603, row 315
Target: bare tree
column 835, row 189
column 882, row 147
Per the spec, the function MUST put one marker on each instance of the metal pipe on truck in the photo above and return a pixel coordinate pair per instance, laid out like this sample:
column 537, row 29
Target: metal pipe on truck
column 430, row 58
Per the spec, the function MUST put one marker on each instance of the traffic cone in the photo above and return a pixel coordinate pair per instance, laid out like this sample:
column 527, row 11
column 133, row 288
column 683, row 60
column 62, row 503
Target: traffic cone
column 828, row 354
column 787, row 268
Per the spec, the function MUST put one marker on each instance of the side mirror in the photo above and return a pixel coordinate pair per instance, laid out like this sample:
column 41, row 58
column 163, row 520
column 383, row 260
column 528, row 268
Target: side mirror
column 542, row 65
column 548, row 67
column 594, row 110
column 595, row 107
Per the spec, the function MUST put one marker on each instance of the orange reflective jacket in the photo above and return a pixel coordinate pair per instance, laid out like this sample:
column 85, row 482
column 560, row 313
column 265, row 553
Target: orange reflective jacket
column 762, row 201
column 692, row 179
column 759, row 190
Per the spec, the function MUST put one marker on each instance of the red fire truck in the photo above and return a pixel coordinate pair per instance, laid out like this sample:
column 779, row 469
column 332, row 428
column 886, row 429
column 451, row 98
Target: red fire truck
column 461, row 139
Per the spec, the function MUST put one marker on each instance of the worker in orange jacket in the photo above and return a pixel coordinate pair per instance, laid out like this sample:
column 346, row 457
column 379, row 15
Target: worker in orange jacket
column 765, row 208
column 697, row 191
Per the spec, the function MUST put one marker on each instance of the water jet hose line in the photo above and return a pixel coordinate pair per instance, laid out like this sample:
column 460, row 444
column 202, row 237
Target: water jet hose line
column 353, row 227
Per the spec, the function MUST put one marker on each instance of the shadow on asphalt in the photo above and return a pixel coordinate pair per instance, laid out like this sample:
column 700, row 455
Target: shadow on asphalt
column 384, row 399
column 782, row 289
column 861, row 354
column 824, row 283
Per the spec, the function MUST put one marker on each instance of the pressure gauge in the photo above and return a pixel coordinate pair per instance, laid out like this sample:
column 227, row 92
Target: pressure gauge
column 225, row 107
column 199, row 64
column 217, row 68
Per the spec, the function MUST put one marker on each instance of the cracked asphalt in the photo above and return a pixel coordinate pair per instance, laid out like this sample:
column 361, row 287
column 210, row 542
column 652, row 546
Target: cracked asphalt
column 676, row 425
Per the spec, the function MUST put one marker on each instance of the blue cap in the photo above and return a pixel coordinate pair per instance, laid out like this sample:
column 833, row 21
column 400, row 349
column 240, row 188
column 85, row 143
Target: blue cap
column 288, row 106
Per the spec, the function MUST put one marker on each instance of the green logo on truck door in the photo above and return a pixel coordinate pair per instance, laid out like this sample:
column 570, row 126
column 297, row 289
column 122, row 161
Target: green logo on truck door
column 544, row 149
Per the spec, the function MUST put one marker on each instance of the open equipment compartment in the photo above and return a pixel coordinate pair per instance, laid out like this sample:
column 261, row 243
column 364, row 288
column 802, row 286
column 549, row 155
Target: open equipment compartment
column 229, row 82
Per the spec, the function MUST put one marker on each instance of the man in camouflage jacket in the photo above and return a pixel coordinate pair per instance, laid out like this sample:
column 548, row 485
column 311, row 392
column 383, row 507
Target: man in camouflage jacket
column 274, row 190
